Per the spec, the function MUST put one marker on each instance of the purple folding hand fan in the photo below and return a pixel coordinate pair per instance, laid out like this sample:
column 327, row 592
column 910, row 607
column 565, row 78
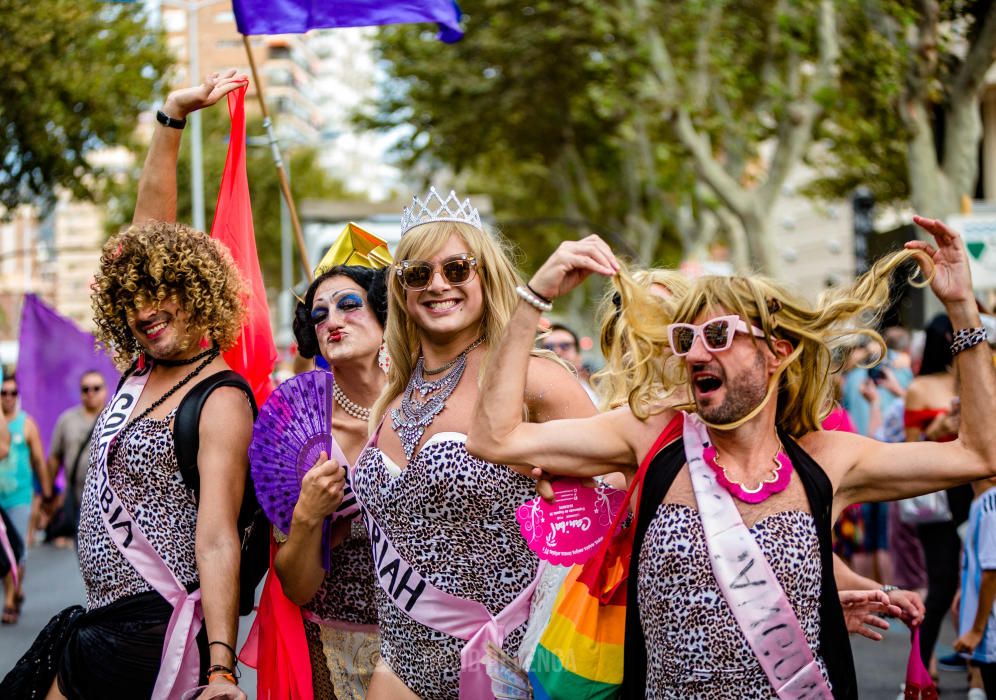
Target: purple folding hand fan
column 293, row 429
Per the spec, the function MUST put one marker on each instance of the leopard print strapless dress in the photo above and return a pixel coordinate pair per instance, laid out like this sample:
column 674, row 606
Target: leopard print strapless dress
column 145, row 476
column 452, row 517
column 695, row 649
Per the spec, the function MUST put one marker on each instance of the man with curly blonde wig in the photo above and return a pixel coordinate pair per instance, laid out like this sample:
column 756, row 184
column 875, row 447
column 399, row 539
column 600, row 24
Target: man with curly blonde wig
column 730, row 591
column 160, row 557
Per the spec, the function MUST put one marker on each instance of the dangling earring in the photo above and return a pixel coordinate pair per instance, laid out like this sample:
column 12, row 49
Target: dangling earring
column 141, row 361
column 383, row 359
column 204, row 344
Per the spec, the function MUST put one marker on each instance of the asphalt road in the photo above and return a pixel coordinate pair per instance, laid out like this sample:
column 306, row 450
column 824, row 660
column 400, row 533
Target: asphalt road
column 53, row 582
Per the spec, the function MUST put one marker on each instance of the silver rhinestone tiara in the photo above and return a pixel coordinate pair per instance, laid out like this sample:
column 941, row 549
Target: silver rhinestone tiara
column 435, row 208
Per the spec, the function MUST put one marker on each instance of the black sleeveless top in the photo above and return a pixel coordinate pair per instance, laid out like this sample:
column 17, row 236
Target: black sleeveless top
column 835, row 645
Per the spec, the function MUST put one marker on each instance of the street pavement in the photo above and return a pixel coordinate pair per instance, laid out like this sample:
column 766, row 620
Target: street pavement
column 53, row 583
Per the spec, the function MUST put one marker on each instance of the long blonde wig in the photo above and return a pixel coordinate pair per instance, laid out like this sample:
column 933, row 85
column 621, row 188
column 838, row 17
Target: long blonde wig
column 805, row 386
column 498, row 282
column 614, row 382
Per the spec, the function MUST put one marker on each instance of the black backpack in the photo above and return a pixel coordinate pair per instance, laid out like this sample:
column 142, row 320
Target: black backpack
column 253, row 525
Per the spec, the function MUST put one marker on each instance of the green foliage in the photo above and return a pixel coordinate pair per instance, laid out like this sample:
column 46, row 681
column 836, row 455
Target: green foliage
column 866, row 139
column 76, row 73
column 308, row 180
column 534, row 108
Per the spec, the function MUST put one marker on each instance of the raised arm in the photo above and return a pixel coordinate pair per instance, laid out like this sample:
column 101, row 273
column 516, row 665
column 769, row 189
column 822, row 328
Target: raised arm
column 157, row 187
column 873, row 471
column 574, row 447
column 223, row 463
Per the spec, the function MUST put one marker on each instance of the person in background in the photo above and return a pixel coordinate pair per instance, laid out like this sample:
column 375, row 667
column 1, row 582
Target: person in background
column 976, row 613
column 564, row 343
column 25, row 460
column 932, row 413
column 69, row 448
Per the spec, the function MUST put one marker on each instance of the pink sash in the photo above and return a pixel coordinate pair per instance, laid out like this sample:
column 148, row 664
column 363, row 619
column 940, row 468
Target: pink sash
column 180, row 663
column 443, row 612
column 749, row 585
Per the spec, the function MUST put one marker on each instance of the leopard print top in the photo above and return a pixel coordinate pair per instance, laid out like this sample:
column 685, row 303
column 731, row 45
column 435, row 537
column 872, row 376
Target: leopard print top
column 694, row 647
column 452, row 516
column 145, row 476
column 347, row 593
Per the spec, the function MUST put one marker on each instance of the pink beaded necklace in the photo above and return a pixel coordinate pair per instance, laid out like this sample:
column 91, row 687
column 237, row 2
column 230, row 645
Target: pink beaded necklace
column 776, row 483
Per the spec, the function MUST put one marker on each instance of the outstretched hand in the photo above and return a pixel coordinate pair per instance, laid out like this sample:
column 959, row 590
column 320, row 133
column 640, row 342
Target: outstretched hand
column 952, row 281
column 571, row 263
column 862, row 610
column 182, row 102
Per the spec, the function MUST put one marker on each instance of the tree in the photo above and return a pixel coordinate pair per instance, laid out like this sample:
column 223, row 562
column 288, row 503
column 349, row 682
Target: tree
column 914, row 105
column 76, row 73
column 534, row 107
column 733, row 77
column 308, row 180
column 643, row 120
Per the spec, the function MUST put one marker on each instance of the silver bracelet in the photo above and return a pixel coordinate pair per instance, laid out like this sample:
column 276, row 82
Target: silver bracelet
column 533, row 300
column 888, row 588
column 965, row 338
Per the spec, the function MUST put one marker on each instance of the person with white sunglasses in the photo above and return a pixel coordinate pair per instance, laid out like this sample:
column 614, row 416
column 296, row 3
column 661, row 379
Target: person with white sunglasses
column 731, row 567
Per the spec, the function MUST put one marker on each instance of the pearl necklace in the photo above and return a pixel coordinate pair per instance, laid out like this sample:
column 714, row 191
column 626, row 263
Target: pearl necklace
column 350, row 407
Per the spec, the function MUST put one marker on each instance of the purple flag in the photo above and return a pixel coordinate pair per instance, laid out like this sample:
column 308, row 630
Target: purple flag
column 298, row 16
column 53, row 355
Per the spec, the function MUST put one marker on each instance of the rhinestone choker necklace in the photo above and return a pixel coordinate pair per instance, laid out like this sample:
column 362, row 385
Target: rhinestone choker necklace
column 423, row 400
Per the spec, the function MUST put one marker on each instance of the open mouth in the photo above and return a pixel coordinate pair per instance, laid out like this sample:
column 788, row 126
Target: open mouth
column 706, row 384
column 155, row 329
column 442, row 305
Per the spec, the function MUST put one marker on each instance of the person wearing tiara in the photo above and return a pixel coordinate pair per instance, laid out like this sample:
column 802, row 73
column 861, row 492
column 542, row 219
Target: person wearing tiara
column 341, row 318
column 453, row 572
column 729, row 585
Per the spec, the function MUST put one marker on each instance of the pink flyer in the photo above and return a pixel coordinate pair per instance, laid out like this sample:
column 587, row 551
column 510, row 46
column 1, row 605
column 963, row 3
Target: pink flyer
column 569, row 530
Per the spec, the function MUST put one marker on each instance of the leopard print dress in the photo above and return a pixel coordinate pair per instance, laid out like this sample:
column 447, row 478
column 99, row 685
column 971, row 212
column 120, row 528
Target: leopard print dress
column 343, row 656
column 452, row 516
column 695, row 649
column 145, row 476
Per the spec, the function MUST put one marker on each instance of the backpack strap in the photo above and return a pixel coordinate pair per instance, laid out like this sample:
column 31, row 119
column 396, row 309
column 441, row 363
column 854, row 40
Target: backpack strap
column 187, row 422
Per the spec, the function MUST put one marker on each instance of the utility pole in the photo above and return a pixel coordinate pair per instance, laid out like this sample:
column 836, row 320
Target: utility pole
column 193, row 8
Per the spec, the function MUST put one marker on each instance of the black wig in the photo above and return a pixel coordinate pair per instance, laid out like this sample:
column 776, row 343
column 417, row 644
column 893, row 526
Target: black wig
column 374, row 282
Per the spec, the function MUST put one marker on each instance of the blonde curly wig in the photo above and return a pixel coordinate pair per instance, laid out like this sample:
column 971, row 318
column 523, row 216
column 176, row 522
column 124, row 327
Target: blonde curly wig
column 613, row 383
column 156, row 262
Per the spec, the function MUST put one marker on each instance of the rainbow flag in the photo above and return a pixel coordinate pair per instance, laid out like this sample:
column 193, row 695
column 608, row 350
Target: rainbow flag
column 580, row 655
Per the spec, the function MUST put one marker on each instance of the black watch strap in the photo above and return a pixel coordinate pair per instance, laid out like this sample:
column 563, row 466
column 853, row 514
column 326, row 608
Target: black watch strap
column 169, row 121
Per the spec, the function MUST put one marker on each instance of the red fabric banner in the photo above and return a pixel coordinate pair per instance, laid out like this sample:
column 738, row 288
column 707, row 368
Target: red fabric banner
column 277, row 646
column 255, row 354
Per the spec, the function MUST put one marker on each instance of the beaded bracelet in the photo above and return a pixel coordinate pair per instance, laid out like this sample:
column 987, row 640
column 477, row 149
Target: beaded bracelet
column 965, row 338
column 538, row 295
column 533, row 300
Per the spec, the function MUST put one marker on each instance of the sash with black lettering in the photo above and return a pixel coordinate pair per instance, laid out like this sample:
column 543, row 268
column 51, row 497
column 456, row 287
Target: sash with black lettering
column 749, row 584
column 442, row 611
column 180, row 663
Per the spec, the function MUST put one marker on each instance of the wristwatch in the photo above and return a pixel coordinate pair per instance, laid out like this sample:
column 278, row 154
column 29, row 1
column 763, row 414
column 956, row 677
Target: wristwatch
column 169, row 121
